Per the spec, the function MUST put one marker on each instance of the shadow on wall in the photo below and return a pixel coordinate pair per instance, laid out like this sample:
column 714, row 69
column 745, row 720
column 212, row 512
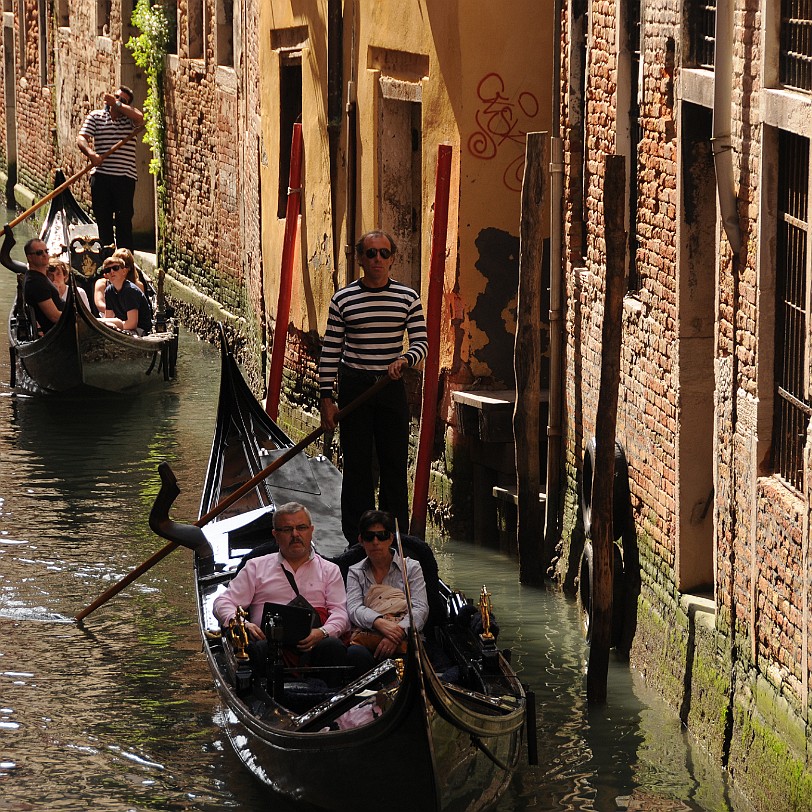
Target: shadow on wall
column 499, row 263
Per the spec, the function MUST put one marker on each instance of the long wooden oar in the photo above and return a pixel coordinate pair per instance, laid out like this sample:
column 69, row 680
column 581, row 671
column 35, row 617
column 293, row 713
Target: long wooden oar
column 231, row 499
column 72, row 179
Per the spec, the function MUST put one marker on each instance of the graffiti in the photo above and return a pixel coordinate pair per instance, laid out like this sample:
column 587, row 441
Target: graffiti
column 498, row 119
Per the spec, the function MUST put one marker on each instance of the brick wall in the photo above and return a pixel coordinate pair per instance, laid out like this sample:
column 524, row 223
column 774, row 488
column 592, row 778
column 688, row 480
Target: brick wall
column 759, row 674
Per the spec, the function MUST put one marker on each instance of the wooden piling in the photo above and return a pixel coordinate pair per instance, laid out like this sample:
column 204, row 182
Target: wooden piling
column 614, row 202
column 527, row 361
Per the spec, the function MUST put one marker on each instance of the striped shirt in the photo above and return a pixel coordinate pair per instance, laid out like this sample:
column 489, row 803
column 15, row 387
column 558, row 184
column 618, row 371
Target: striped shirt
column 365, row 328
column 106, row 133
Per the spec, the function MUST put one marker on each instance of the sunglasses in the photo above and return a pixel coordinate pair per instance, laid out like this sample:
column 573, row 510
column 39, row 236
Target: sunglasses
column 373, row 252
column 108, row 268
column 41, row 253
column 381, row 535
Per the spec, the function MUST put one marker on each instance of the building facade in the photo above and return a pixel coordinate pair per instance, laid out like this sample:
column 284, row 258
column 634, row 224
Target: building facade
column 710, row 105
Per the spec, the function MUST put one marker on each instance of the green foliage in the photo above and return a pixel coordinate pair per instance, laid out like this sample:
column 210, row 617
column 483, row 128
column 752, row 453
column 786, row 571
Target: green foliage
column 149, row 52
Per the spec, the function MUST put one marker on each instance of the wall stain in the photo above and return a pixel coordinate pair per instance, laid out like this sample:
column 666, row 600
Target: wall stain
column 499, row 263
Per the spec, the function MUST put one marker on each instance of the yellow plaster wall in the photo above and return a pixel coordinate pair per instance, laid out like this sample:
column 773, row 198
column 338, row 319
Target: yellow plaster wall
column 487, row 83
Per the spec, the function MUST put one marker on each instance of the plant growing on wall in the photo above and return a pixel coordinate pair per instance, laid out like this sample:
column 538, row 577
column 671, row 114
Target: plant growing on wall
column 149, row 52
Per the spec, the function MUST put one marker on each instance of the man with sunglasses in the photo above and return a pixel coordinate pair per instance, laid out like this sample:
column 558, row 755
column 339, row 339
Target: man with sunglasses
column 38, row 291
column 112, row 181
column 364, row 340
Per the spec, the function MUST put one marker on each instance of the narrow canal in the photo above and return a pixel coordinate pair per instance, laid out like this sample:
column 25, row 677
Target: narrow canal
column 119, row 715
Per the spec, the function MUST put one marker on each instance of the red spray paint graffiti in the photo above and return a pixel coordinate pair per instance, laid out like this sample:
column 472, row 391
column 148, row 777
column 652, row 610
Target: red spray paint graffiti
column 498, row 119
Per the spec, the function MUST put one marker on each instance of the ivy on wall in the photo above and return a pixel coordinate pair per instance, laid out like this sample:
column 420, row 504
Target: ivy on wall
column 149, row 53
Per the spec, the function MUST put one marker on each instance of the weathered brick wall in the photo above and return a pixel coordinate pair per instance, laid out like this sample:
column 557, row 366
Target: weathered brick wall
column 85, row 69
column 210, row 215
column 757, row 671
column 35, row 138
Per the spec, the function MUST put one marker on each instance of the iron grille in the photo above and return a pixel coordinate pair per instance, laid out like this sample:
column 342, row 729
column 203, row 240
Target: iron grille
column 792, row 407
column 796, row 44
column 701, row 33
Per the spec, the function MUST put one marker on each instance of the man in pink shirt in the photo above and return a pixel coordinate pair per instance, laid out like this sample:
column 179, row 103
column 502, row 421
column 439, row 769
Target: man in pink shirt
column 275, row 578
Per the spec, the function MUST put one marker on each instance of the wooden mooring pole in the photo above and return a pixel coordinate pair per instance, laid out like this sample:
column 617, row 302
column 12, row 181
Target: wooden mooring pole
column 605, row 426
column 527, row 361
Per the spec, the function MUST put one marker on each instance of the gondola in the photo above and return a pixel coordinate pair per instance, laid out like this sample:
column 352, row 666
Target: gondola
column 80, row 354
column 440, row 728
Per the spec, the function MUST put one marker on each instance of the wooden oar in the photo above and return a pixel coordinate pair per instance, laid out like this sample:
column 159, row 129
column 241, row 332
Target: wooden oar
column 231, row 499
column 72, row 179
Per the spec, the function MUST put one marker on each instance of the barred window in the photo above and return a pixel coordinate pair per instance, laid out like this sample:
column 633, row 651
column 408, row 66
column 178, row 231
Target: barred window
column 701, row 21
column 792, row 352
column 795, row 63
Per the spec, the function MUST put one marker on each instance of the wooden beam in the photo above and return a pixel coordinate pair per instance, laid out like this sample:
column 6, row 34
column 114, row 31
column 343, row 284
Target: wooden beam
column 527, row 361
column 614, row 202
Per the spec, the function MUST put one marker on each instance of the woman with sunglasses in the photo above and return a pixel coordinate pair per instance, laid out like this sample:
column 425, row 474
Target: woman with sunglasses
column 125, row 306
column 125, row 256
column 366, row 325
column 376, row 595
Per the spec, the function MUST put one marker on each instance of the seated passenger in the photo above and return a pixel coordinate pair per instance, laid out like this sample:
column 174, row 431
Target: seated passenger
column 379, row 616
column 278, row 578
column 38, row 291
column 125, row 306
column 58, row 273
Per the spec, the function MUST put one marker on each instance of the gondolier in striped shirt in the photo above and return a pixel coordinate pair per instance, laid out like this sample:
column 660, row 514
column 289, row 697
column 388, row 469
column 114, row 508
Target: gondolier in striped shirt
column 364, row 340
column 112, row 181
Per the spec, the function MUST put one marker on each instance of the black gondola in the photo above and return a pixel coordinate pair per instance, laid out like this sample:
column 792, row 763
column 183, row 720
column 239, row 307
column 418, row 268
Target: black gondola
column 439, row 729
column 80, row 354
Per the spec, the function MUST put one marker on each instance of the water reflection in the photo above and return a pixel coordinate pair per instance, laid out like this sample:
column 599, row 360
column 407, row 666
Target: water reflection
column 119, row 714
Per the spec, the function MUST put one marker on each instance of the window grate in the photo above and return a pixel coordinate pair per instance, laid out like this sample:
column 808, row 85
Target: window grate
column 701, row 33
column 795, row 63
column 792, row 407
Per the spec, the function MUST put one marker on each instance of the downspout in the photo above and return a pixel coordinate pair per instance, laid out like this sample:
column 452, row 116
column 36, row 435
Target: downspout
column 722, row 149
column 350, row 201
column 723, row 163
column 335, row 66
column 554, row 406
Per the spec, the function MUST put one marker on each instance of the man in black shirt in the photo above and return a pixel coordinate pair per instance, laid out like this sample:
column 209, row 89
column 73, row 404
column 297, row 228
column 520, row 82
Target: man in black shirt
column 39, row 292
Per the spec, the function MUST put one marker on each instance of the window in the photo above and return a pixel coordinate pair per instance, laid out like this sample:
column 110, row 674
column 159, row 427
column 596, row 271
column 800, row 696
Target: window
column 103, row 17
column 701, row 33
column 795, row 63
column 43, row 23
column 225, row 32
column 62, row 13
column 171, row 8
column 633, row 11
column 792, row 352
column 290, row 111
column 195, row 29
column 21, row 29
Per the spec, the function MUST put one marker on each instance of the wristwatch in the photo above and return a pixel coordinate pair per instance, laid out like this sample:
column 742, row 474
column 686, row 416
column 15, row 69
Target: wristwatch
column 325, row 632
column 118, row 102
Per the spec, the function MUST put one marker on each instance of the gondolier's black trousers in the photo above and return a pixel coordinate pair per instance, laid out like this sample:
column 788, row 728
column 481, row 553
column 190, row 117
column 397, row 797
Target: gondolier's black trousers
column 112, row 197
column 378, row 431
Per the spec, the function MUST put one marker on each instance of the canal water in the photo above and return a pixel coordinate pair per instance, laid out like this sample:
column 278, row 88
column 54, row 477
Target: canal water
column 119, row 714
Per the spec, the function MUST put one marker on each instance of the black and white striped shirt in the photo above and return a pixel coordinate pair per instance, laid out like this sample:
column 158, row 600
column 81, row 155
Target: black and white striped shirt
column 365, row 328
column 106, row 133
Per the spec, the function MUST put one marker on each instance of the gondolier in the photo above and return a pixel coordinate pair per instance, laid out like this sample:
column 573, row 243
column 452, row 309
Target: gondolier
column 112, row 180
column 364, row 340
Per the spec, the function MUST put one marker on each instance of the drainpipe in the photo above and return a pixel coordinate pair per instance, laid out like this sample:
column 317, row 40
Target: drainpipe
column 723, row 162
column 722, row 149
column 554, row 410
column 352, row 151
column 335, row 64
